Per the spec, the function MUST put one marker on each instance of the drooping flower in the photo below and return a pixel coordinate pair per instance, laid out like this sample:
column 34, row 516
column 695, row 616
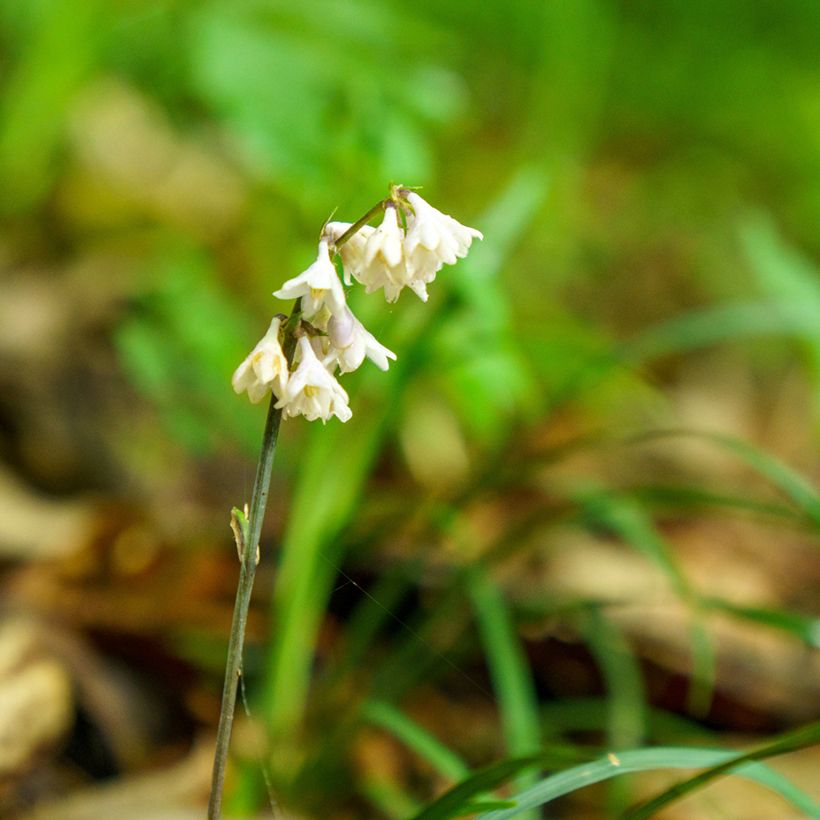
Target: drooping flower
column 312, row 391
column 350, row 342
column 433, row 240
column 383, row 260
column 352, row 252
column 265, row 368
column 317, row 286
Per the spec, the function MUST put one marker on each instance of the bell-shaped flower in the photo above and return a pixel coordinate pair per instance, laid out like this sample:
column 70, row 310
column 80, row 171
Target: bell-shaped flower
column 312, row 391
column 319, row 285
column 383, row 259
column 350, row 343
column 433, row 239
column 352, row 252
column 265, row 368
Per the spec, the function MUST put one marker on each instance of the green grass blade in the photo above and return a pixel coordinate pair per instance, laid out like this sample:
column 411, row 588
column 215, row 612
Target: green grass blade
column 686, row 499
column 569, row 715
column 509, row 669
column 643, row 760
column 725, row 323
column 627, row 519
column 798, row 739
column 476, row 806
column 389, row 799
column 803, row 627
column 370, row 617
column 626, row 704
column 792, row 484
column 460, row 797
column 796, row 488
column 322, row 503
column 785, row 273
column 425, row 745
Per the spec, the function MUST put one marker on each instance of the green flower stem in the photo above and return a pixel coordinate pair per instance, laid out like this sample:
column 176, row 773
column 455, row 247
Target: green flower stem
column 361, row 222
column 249, row 543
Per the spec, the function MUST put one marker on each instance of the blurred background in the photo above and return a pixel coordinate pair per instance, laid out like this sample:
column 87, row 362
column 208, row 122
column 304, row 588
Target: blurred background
column 578, row 512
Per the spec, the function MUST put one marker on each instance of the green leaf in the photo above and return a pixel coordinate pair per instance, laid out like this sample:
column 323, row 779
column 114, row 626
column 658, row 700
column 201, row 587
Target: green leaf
column 804, row 627
column 623, row 516
column 786, row 275
column 792, row 484
column 571, row 715
column 724, row 323
column 799, row 739
column 626, row 705
column 457, row 799
column 38, row 93
column 442, row 759
column 512, row 678
column 643, row 760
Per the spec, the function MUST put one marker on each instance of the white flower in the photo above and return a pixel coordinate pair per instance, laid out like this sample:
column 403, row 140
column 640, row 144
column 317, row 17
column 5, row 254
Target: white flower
column 352, row 252
column 386, row 242
column 311, row 391
column 433, row 239
column 350, row 342
column 264, row 369
column 317, row 286
column 383, row 263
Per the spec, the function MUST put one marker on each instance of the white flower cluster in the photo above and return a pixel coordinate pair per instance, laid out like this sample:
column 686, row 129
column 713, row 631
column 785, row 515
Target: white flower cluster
column 413, row 242
column 392, row 258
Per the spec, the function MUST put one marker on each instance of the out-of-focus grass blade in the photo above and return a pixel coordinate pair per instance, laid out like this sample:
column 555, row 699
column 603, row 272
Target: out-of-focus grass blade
column 628, row 520
column 38, row 91
column 804, row 627
column 454, row 802
column 476, row 806
column 798, row 739
column 333, row 469
column 722, row 324
column 509, row 669
column 793, row 485
column 785, row 274
column 681, row 497
column 643, row 760
column 570, row 715
column 370, row 616
column 487, row 378
column 782, row 270
column 430, row 641
column 391, row 800
column 443, row 760
column 626, row 704
column 503, row 224
column 787, row 480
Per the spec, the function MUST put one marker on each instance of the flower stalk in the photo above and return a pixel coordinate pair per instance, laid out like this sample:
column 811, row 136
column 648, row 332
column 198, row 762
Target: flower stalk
column 296, row 361
column 248, row 544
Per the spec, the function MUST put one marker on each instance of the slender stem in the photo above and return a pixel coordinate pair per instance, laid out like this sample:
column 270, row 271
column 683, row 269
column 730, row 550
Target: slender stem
column 360, row 223
column 247, row 572
column 250, row 554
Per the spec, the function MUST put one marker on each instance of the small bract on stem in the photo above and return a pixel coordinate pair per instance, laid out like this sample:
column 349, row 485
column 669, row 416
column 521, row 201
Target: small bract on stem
column 297, row 359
